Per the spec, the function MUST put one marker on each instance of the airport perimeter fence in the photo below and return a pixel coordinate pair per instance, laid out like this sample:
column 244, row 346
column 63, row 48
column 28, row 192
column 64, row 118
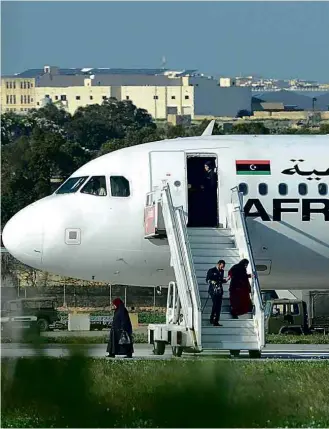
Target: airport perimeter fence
column 89, row 296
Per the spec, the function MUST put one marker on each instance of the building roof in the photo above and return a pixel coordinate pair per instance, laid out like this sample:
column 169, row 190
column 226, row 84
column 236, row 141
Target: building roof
column 85, row 71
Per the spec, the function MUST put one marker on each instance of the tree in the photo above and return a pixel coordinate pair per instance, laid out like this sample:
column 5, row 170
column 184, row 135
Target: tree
column 250, row 128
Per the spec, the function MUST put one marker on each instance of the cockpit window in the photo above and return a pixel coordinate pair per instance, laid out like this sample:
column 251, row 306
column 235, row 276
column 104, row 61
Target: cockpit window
column 95, row 186
column 119, row 186
column 71, row 185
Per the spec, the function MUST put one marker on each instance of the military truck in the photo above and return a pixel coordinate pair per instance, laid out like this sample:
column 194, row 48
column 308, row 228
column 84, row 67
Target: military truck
column 45, row 309
column 294, row 316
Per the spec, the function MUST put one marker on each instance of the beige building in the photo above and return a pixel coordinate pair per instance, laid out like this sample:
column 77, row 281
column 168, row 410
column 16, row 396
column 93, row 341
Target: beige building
column 17, row 94
column 160, row 92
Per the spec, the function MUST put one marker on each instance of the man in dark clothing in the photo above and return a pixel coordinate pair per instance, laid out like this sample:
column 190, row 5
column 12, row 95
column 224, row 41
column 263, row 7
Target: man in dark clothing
column 215, row 279
column 210, row 195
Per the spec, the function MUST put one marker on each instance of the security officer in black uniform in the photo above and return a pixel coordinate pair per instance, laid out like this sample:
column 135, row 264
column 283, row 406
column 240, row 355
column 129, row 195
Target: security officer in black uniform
column 215, row 279
column 210, row 195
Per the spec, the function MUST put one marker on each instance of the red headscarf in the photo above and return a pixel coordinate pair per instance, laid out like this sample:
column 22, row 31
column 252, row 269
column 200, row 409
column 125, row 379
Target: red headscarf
column 117, row 302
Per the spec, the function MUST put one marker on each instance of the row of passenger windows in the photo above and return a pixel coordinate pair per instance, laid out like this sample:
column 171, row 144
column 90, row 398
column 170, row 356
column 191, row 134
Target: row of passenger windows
column 96, row 185
column 283, row 189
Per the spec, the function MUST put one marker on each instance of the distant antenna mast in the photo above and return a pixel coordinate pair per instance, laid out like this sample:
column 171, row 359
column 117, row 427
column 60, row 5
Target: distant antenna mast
column 163, row 62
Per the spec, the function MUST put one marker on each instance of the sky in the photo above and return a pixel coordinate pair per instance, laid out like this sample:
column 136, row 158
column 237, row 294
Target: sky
column 269, row 39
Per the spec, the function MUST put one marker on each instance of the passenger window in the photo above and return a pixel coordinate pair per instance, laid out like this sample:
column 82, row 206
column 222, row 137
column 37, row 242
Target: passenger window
column 302, row 189
column 294, row 309
column 279, row 310
column 323, row 188
column 262, row 189
column 119, row 186
column 95, row 186
column 283, row 189
column 243, row 188
column 71, row 185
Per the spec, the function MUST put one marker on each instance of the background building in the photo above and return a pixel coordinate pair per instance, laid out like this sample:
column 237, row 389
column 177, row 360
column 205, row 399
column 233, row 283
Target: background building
column 161, row 92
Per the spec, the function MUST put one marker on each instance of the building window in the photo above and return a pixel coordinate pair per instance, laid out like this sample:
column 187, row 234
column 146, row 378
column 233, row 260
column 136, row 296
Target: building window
column 262, row 189
column 38, row 104
column 31, row 85
column 119, row 186
column 28, row 85
column 63, row 97
column 21, row 85
column 302, row 189
column 78, row 97
column 7, row 85
column 156, row 97
column 173, row 97
column 243, row 188
column 95, row 186
column 28, row 99
column 56, row 97
column 127, row 97
column 24, row 85
column 47, row 96
column 91, row 97
column 323, row 188
column 104, row 97
column 14, row 99
column 24, row 99
column 7, row 99
column 14, row 85
column 283, row 189
column 31, row 100
column 187, row 97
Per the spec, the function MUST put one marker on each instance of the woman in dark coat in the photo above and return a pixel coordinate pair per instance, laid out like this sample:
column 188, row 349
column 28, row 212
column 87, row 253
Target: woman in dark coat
column 121, row 324
column 240, row 289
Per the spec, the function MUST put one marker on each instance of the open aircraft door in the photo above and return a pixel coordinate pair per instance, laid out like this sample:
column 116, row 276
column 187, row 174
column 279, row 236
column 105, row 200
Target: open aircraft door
column 170, row 167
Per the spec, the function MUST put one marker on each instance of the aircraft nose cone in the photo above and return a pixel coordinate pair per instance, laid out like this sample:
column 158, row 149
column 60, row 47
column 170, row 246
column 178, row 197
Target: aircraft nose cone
column 23, row 236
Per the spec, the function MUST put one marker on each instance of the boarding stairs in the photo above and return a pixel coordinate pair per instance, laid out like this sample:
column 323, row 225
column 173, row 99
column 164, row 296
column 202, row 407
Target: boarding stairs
column 193, row 251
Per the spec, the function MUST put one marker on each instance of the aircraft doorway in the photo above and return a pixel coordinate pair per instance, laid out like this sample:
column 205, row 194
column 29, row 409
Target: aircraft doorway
column 202, row 191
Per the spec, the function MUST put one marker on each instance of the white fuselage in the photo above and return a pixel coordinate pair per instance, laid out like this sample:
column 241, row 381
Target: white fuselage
column 112, row 247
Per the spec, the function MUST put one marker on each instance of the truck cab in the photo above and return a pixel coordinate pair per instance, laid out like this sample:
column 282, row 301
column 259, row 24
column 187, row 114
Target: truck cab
column 45, row 309
column 285, row 316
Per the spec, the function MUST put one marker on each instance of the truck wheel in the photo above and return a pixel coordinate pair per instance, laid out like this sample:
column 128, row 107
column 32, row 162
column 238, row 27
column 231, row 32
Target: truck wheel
column 289, row 332
column 43, row 325
column 159, row 348
column 254, row 354
column 177, row 351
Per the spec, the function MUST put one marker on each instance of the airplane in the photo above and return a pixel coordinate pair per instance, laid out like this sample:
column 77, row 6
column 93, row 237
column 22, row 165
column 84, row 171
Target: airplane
column 83, row 233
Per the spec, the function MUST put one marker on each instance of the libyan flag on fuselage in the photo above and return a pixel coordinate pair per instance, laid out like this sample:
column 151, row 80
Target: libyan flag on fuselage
column 253, row 167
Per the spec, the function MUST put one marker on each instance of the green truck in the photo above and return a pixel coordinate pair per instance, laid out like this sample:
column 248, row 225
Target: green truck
column 298, row 316
column 44, row 309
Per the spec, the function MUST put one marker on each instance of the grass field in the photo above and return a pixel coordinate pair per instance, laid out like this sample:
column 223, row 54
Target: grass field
column 81, row 392
column 141, row 338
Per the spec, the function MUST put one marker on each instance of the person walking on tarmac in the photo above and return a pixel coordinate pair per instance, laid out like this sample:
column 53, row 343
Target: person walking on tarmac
column 215, row 279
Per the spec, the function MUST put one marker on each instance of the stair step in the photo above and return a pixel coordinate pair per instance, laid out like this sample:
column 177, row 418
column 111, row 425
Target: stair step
column 230, row 345
column 224, row 315
column 215, row 255
column 223, row 330
column 204, row 294
column 232, row 323
column 213, row 232
column 215, row 248
column 214, row 259
column 208, row 240
column 238, row 337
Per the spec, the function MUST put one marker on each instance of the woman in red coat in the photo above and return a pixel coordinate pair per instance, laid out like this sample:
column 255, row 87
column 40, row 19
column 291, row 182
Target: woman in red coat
column 240, row 289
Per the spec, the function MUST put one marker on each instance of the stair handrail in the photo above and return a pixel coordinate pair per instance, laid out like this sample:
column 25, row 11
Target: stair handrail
column 186, row 261
column 187, row 299
column 258, row 302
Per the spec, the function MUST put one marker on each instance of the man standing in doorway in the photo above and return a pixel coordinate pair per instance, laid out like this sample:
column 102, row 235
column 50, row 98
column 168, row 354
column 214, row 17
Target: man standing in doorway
column 210, row 195
column 215, row 279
